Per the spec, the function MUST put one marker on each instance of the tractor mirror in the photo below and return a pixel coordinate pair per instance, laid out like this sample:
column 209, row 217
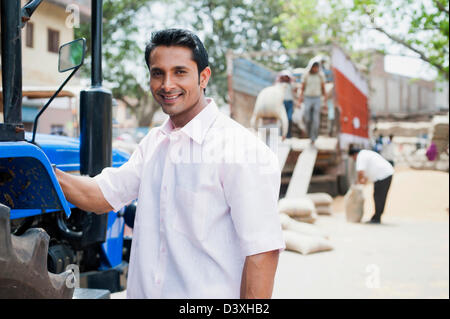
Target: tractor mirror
column 71, row 55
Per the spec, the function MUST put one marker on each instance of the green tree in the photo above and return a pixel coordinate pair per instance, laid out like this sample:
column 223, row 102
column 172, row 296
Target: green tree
column 124, row 69
column 238, row 25
column 421, row 27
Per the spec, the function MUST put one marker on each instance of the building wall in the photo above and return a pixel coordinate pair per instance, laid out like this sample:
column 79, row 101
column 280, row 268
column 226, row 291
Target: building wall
column 393, row 94
column 40, row 67
column 442, row 96
column 61, row 117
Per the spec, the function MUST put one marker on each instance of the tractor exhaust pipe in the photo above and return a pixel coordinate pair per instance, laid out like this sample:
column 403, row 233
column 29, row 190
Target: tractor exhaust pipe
column 12, row 128
column 95, row 108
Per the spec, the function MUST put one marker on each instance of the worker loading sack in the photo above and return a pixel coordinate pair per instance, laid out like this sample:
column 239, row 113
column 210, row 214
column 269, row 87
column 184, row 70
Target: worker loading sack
column 269, row 111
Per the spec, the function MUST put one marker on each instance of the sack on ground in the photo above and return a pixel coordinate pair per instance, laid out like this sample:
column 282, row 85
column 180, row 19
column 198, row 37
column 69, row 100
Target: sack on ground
column 311, row 219
column 296, row 207
column 323, row 210
column 288, row 223
column 320, row 199
column 305, row 244
column 354, row 204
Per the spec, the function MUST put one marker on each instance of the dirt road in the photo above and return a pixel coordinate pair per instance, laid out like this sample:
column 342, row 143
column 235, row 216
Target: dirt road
column 405, row 257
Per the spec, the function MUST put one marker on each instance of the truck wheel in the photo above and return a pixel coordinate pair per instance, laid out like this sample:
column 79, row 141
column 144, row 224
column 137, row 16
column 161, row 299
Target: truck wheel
column 23, row 265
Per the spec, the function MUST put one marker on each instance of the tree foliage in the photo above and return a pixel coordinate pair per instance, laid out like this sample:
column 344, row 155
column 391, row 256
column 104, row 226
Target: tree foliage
column 237, row 25
column 420, row 27
column 124, row 69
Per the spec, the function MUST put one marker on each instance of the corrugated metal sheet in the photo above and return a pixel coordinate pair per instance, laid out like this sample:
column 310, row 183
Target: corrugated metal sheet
column 250, row 77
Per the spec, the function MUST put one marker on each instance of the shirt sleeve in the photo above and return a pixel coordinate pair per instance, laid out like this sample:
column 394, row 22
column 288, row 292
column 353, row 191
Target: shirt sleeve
column 120, row 185
column 304, row 78
column 251, row 191
column 360, row 162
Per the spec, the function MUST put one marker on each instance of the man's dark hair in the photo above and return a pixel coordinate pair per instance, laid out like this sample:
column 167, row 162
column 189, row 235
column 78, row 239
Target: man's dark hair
column 315, row 64
column 179, row 37
column 353, row 150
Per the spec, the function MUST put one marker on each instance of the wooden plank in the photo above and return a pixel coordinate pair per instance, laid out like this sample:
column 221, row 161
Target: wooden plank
column 283, row 152
column 301, row 177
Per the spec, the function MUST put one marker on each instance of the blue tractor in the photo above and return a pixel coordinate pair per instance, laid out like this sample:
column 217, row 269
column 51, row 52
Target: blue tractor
column 48, row 247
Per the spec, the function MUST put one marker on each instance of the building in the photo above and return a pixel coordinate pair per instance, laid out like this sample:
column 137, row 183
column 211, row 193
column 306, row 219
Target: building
column 50, row 26
column 395, row 97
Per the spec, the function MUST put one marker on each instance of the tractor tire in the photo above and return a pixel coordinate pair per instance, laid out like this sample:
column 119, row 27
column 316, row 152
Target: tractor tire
column 23, row 265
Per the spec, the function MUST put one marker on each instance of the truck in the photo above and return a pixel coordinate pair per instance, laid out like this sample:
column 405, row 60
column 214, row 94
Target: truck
column 49, row 247
column 348, row 92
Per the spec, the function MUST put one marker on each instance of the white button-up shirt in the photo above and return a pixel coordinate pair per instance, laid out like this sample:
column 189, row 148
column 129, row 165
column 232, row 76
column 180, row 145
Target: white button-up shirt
column 207, row 198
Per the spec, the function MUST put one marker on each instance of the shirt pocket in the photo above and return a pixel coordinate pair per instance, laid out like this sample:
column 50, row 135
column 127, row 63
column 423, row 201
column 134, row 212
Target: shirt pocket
column 190, row 214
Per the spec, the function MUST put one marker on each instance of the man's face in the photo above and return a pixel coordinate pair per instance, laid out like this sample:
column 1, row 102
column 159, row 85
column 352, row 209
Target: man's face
column 285, row 79
column 175, row 82
column 315, row 69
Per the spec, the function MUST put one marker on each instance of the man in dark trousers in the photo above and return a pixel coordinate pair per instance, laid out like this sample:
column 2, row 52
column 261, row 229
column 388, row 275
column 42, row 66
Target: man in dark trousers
column 372, row 167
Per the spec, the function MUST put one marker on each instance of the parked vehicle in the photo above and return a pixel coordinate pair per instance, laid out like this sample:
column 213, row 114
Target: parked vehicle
column 348, row 93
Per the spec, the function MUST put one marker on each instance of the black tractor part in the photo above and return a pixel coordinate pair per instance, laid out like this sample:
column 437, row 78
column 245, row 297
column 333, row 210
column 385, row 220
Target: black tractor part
column 23, row 265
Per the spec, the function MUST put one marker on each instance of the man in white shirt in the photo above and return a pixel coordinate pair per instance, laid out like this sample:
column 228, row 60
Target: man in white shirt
column 206, row 223
column 372, row 167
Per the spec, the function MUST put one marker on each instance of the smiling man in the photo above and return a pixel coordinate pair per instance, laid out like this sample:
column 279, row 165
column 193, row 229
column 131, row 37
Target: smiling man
column 205, row 227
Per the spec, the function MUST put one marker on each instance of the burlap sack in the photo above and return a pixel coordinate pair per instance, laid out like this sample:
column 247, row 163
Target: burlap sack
column 323, row 210
column 296, row 207
column 311, row 219
column 305, row 244
column 288, row 223
column 320, row 199
column 442, row 165
column 354, row 204
column 269, row 103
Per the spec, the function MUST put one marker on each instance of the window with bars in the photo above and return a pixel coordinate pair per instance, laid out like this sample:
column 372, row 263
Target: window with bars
column 29, row 35
column 53, row 40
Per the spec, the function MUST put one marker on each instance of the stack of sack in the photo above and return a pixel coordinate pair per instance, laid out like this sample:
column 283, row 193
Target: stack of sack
column 303, row 237
column 439, row 132
column 301, row 209
column 297, row 216
column 418, row 160
column 322, row 202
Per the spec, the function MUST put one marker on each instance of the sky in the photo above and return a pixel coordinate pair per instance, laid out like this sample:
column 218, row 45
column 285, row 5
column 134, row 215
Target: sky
column 408, row 66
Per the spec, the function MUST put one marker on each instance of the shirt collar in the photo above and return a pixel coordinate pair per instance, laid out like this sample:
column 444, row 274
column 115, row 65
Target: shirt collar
column 198, row 126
